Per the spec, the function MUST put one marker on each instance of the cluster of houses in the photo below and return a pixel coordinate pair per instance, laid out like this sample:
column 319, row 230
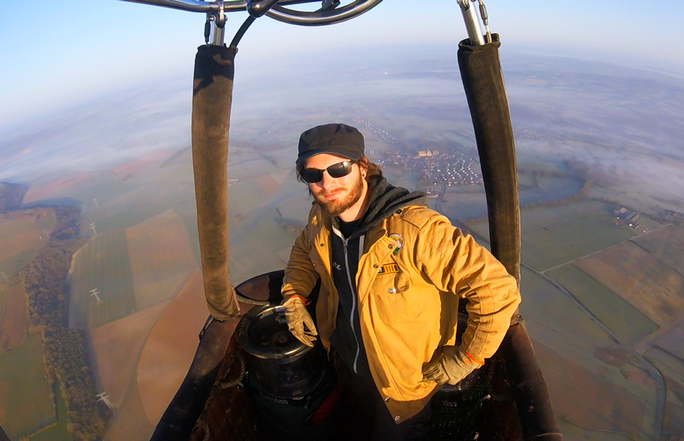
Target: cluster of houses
column 436, row 167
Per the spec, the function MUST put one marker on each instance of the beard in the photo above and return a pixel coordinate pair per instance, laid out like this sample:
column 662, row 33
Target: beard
column 339, row 206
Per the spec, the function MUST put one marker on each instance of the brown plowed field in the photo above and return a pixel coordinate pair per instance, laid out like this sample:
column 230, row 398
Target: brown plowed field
column 636, row 275
column 22, row 234
column 667, row 245
column 161, row 258
column 133, row 168
column 130, row 420
column 115, row 349
column 170, row 348
column 14, row 319
column 47, row 190
column 587, row 400
column 267, row 183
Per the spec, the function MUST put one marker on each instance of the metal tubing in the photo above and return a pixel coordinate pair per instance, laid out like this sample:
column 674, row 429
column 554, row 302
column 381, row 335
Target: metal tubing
column 472, row 23
column 195, row 5
column 218, row 33
column 331, row 16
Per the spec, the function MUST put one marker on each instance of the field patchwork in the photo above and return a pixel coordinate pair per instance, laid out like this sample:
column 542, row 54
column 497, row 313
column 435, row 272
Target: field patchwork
column 641, row 279
column 589, row 401
column 170, row 348
column 114, row 350
column 24, row 390
column 101, row 270
column 667, row 245
column 626, row 321
column 21, row 236
column 161, row 258
column 14, row 318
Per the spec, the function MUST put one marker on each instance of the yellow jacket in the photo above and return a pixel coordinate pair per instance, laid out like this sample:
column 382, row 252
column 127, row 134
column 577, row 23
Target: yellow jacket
column 406, row 315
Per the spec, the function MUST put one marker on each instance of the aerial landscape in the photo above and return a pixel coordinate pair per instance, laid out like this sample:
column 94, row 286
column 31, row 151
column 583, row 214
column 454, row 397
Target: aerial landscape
column 101, row 299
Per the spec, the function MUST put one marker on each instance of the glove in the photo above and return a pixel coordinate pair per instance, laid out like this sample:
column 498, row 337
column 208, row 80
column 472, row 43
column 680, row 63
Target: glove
column 299, row 320
column 450, row 365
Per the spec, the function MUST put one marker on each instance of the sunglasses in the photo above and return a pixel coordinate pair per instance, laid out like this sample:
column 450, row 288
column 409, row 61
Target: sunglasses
column 313, row 175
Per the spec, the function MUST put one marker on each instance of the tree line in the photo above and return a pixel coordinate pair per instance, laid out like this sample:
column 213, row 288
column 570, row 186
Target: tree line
column 64, row 349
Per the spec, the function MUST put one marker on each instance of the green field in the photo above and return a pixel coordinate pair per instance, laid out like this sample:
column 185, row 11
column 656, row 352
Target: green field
column 628, row 323
column 255, row 242
column 59, row 431
column 556, row 235
column 101, row 264
column 136, row 206
column 244, row 196
column 25, row 402
column 578, row 364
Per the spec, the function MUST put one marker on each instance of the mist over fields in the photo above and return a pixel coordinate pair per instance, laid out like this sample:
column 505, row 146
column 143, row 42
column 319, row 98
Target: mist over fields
column 625, row 123
column 601, row 173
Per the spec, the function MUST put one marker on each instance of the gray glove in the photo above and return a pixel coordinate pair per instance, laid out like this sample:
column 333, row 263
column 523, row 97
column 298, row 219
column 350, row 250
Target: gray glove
column 448, row 365
column 299, row 321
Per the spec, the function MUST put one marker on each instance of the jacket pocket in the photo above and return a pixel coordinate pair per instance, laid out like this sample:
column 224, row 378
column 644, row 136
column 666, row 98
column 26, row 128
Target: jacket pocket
column 396, row 301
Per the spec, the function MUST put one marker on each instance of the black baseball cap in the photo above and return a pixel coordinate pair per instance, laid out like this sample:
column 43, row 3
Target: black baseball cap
column 337, row 139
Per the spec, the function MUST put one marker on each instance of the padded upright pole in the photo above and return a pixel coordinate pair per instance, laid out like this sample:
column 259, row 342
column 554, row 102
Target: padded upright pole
column 212, row 98
column 484, row 87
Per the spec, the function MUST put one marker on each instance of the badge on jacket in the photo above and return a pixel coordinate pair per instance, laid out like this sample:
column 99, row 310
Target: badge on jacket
column 398, row 242
column 389, row 268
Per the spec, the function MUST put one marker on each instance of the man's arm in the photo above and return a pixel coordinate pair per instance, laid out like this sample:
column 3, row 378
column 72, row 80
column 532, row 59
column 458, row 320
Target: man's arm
column 300, row 274
column 300, row 278
column 456, row 263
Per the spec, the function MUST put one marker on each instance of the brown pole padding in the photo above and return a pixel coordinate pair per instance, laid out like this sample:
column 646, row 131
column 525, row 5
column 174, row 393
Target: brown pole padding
column 528, row 387
column 212, row 97
column 484, row 87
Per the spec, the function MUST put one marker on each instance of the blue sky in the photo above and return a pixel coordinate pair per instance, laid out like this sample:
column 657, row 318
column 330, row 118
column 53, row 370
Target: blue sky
column 58, row 54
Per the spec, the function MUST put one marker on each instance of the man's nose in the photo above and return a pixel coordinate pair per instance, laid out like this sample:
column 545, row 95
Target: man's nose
column 327, row 180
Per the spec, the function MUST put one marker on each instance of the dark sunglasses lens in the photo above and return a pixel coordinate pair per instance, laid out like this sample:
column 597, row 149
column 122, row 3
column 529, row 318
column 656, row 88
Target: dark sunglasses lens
column 340, row 170
column 312, row 175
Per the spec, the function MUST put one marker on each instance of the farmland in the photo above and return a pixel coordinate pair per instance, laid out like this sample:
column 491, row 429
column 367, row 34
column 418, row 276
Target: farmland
column 135, row 206
column 114, row 350
column 673, row 371
column 25, row 394
column 161, row 258
column 626, row 321
column 666, row 244
column 572, row 349
column 22, row 234
column 14, row 319
column 556, row 235
column 170, row 347
column 102, row 264
column 58, row 431
column 254, row 244
column 91, row 189
column 641, row 279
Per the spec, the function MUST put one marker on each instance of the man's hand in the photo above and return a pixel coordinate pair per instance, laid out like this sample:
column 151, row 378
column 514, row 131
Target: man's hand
column 299, row 321
column 448, row 365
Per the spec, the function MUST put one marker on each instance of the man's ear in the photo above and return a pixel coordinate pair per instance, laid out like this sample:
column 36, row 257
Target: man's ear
column 363, row 167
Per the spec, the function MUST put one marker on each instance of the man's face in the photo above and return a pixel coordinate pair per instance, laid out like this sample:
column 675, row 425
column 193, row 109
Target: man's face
column 343, row 196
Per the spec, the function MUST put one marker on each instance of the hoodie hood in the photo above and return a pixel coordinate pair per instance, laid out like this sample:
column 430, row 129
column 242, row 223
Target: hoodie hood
column 383, row 200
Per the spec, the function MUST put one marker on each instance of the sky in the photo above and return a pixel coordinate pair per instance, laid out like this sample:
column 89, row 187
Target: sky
column 55, row 55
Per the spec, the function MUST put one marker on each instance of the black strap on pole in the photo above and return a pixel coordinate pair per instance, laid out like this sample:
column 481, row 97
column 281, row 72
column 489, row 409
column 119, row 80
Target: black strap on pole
column 484, row 87
column 212, row 98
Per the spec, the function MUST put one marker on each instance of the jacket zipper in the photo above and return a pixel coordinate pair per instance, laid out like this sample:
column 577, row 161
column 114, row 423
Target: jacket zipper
column 353, row 308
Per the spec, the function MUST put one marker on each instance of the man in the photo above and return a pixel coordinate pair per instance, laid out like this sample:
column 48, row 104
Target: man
column 392, row 272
